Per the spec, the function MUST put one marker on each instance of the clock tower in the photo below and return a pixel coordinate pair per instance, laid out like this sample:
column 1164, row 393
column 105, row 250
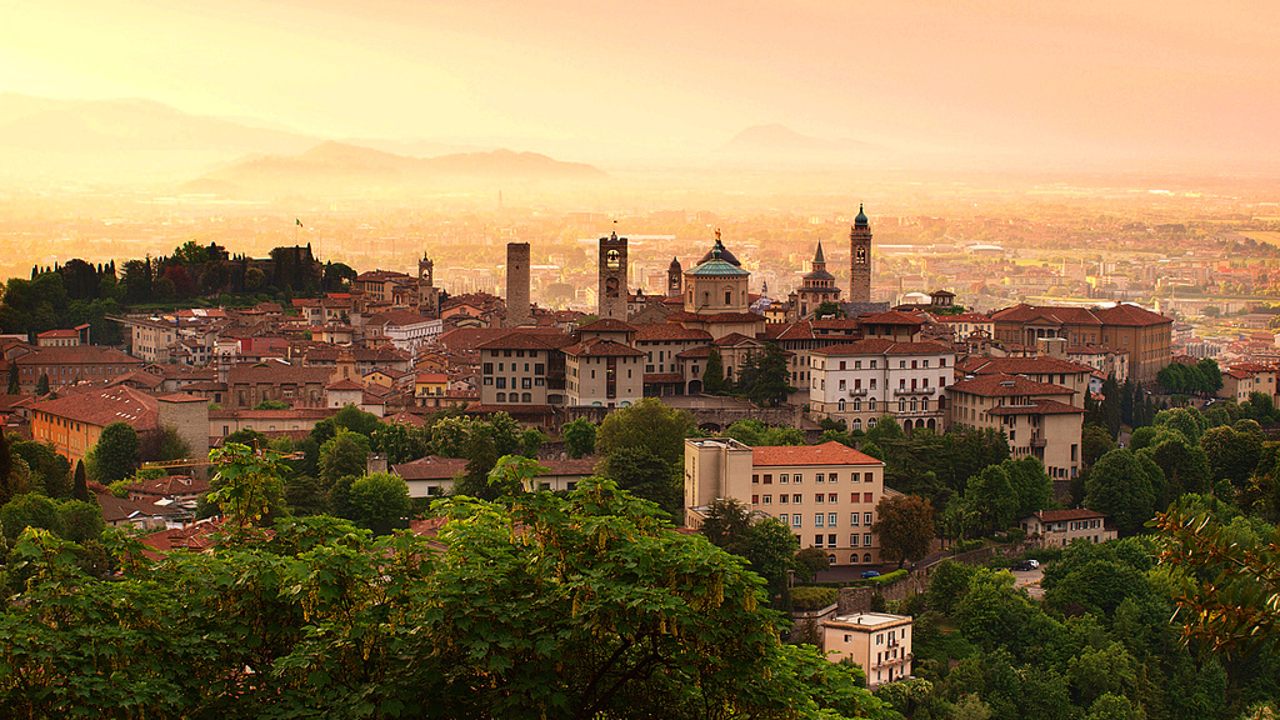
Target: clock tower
column 860, row 259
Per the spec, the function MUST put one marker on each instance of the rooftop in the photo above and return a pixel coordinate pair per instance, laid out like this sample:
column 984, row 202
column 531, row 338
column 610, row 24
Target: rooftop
column 828, row 453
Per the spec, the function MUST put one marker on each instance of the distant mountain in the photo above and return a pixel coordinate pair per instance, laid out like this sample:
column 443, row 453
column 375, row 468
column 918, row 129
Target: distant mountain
column 334, row 167
column 780, row 144
column 124, row 139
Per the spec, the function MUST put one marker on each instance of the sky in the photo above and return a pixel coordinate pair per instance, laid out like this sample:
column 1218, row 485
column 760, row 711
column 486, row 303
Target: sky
column 1112, row 81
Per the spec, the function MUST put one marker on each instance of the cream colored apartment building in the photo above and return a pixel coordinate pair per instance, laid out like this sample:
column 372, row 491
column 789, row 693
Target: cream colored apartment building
column 879, row 643
column 1038, row 419
column 862, row 381
column 827, row 494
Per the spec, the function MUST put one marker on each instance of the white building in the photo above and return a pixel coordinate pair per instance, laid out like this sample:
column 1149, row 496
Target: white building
column 861, row 381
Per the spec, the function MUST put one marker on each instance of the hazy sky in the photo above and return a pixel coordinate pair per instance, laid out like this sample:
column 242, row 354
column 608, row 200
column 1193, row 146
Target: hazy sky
column 1153, row 80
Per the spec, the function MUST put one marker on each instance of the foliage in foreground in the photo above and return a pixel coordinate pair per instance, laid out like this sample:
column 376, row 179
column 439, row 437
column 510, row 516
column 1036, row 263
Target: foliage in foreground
column 532, row 606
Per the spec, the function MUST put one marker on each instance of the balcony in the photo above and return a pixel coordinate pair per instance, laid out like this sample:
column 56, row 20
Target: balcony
column 857, row 392
column 1038, row 440
column 915, row 391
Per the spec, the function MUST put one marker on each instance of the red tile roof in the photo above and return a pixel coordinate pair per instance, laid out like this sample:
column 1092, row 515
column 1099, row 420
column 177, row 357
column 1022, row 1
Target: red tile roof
column 607, row 325
column 1065, row 515
column 828, row 453
column 657, row 332
column 891, row 317
column 431, row 467
column 1038, row 407
column 431, row 378
column 1021, row 366
column 599, row 347
column 100, row 408
column 77, row 355
column 526, row 339
column 881, row 346
column 1006, row 386
column 1131, row 316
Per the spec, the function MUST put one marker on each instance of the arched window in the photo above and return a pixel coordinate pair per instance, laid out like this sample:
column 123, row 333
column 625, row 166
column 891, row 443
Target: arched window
column 871, row 423
column 840, row 405
column 902, row 404
column 866, row 558
column 526, row 397
column 502, row 397
column 871, row 404
column 831, row 559
column 857, row 423
column 728, row 297
column 857, row 404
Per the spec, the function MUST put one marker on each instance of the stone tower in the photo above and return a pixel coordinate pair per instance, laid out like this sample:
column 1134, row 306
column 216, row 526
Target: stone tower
column 517, row 284
column 860, row 259
column 428, row 293
column 613, row 292
column 675, row 279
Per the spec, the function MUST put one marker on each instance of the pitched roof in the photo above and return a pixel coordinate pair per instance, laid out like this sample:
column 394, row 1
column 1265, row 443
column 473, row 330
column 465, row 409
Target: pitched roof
column 522, row 339
column 607, row 325
column 891, row 317
column 881, row 346
column 1021, row 366
column 1131, row 315
column 1055, row 315
column 119, row 403
column 77, row 355
column 425, row 377
column 828, row 453
column 657, row 332
column 345, row 384
column 1038, row 407
column 599, row 347
column 277, row 373
column 431, row 467
column 1071, row 514
column 999, row 385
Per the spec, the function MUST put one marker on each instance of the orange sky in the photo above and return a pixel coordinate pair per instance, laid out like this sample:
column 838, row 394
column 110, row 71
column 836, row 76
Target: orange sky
column 1118, row 82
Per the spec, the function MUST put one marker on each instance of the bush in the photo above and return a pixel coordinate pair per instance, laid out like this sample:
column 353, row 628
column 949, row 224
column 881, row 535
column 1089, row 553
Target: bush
column 889, row 578
column 810, row 597
column 965, row 546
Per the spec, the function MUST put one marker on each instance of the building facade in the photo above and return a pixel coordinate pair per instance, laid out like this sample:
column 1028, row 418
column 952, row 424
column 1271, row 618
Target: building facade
column 860, row 259
column 879, row 643
column 861, row 381
column 1038, row 419
column 612, row 291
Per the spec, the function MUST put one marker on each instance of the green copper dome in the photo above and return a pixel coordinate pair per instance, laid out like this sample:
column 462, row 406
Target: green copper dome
column 861, row 220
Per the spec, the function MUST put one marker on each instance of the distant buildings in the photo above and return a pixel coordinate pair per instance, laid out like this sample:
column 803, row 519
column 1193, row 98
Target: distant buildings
column 879, row 643
column 1060, row 528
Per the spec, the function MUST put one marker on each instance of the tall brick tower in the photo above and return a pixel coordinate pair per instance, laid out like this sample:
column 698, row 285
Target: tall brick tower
column 613, row 292
column 860, row 259
column 428, row 293
column 675, row 279
column 517, row 284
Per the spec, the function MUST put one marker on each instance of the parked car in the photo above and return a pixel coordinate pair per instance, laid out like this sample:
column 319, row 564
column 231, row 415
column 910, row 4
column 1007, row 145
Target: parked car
column 1023, row 566
column 868, row 574
column 1034, row 564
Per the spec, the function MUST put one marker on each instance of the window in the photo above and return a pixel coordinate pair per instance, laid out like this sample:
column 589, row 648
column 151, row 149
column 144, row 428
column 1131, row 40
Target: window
column 853, row 540
column 831, row 542
column 797, row 478
column 796, row 499
column 768, row 479
column 833, row 477
column 796, row 520
column 768, row 499
column 866, row 497
column 831, row 498
column 866, row 540
column 755, row 479
column 856, row 477
column 818, row 518
column 817, row 541
column 783, row 498
column 784, row 518
column 854, row 518
column 782, row 478
column 831, row 520
column 866, row 516
column 818, row 477
column 755, row 499
column 819, row 497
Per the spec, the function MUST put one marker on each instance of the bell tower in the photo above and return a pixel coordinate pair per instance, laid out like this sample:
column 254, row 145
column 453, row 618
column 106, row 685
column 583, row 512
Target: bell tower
column 612, row 293
column 860, row 259
column 428, row 293
column 675, row 279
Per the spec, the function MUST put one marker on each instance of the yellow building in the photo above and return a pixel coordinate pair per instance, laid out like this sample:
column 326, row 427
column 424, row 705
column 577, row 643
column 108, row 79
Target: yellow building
column 827, row 494
column 879, row 643
column 1038, row 419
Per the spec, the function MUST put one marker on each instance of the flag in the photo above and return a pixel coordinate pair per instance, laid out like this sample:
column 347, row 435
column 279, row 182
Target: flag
column 299, row 221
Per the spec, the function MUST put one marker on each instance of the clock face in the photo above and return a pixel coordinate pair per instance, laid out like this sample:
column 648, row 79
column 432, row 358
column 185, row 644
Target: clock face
column 613, row 259
column 862, row 256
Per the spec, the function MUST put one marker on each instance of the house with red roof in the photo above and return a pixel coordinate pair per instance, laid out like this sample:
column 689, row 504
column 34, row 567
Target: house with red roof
column 1038, row 419
column 1060, row 528
column 827, row 494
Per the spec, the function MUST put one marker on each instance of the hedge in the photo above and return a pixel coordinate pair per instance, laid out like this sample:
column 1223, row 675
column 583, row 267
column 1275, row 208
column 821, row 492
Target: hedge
column 810, row 597
column 889, row 578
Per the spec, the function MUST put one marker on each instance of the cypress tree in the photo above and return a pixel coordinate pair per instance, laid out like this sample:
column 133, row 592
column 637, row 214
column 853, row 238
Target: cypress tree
column 713, row 375
column 42, row 387
column 6, row 467
column 80, row 486
column 14, row 386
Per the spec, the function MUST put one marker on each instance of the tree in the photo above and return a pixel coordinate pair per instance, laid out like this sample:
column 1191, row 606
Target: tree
column 30, row 510
column 713, row 382
column 905, row 527
column 1111, row 410
column 42, row 385
column 579, row 437
column 646, row 475
column 530, row 441
column 272, row 405
column 1185, row 466
column 115, row 457
column 7, row 485
column 1124, row 485
column 49, row 471
column 172, row 446
column 1187, row 421
column 948, row 583
column 305, row 495
column 764, row 377
column 648, row 424
column 81, row 521
column 380, row 502
column 80, row 485
column 247, row 488
column 1031, row 485
column 1095, row 441
column 829, row 309
column 14, row 387
column 345, row 454
column 247, row 436
column 357, row 421
column 991, row 496
column 1232, row 455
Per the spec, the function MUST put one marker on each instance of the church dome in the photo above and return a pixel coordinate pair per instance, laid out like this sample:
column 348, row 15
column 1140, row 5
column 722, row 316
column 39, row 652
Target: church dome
column 861, row 220
column 725, row 255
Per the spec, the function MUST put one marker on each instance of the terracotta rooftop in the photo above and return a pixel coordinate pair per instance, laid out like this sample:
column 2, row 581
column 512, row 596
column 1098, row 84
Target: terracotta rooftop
column 1131, row 315
column 431, row 378
column 431, row 467
column 607, row 325
column 1021, row 366
column 77, row 355
column 891, row 317
column 523, row 339
column 599, row 347
column 1037, row 407
column 658, row 332
column 345, row 384
column 828, row 453
column 881, row 346
column 1006, row 386
column 119, row 403
column 1065, row 515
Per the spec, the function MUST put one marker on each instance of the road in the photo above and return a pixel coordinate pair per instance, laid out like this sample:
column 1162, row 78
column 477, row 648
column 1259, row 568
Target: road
column 1030, row 579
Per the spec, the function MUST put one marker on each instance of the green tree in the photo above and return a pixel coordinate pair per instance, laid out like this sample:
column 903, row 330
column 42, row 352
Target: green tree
column 579, row 437
column 1232, row 455
column 80, row 521
column 648, row 424
column 1185, row 466
column 42, row 385
column 764, row 377
column 713, row 382
column 1124, row 485
column 646, row 475
column 530, row 441
column 249, row 437
column 1095, row 441
column 357, row 421
column 1031, row 485
column 80, row 485
column 948, row 584
column 50, row 471
column 115, row 457
column 991, row 496
column 380, row 502
column 904, row 525
column 345, row 454
column 30, row 510
column 272, row 405
column 247, row 488
column 769, row 547
column 172, row 446
column 14, row 387
column 305, row 495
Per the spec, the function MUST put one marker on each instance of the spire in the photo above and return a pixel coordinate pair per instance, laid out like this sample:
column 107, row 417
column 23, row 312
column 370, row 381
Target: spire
column 861, row 220
column 818, row 259
column 675, row 263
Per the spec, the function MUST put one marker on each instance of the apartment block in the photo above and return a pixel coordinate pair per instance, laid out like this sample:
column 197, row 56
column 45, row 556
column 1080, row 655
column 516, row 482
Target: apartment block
column 879, row 643
column 862, row 381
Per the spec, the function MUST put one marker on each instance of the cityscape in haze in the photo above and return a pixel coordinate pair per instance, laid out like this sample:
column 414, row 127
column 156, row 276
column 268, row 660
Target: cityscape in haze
column 601, row 360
